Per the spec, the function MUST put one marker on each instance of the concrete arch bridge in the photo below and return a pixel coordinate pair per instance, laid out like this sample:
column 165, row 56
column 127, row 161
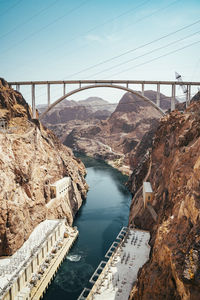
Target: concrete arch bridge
column 117, row 84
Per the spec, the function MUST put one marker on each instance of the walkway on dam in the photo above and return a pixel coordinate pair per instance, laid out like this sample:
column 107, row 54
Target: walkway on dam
column 119, row 274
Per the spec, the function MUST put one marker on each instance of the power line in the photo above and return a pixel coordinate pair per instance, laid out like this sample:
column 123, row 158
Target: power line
column 46, row 26
column 28, row 20
column 97, row 26
column 133, row 23
column 11, row 7
column 147, row 53
column 134, row 49
column 153, row 13
column 151, row 60
column 102, row 24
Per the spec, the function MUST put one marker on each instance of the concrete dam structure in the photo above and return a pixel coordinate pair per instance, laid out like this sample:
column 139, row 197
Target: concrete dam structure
column 27, row 273
column 114, row 278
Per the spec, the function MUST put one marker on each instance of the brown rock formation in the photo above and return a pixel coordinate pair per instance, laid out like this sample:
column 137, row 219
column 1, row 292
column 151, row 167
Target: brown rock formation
column 172, row 166
column 82, row 110
column 31, row 158
column 86, row 128
column 116, row 138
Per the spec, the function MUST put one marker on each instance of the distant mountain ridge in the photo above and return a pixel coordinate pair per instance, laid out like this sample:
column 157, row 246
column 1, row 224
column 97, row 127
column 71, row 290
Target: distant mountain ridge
column 68, row 110
column 95, row 103
column 110, row 135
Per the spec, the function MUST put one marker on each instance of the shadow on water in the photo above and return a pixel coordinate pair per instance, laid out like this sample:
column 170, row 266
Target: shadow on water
column 99, row 220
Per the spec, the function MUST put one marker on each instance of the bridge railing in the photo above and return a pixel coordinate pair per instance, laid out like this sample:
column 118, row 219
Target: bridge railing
column 93, row 83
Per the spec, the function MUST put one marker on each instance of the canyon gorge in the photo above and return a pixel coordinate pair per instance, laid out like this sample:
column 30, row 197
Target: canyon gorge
column 105, row 130
column 134, row 138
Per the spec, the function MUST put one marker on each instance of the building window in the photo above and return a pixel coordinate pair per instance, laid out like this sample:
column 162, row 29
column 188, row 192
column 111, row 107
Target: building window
column 42, row 252
column 37, row 259
column 149, row 198
column 25, row 275
column 31, row 267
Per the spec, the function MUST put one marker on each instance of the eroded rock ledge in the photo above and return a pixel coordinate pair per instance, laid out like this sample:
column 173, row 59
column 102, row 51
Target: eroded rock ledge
column 172, row 165
column 32, row 158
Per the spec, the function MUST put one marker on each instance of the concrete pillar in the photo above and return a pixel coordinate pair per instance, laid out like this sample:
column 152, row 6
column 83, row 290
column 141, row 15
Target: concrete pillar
column 158, row 95
column 17, row 87
column 173, row 97
column 33, row 101
column 48, row 94
column 79, row 85
column 142, row 89
column 64, row 89
column 127, row 85
column 188, row 94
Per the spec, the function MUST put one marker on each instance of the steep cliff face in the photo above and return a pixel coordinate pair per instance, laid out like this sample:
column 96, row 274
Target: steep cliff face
column 32, row 158
column 115, row 139
column 83, row 110
column 172, row 165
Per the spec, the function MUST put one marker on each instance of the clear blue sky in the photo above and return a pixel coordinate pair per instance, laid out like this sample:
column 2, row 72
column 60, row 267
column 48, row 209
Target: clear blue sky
column 54, row 40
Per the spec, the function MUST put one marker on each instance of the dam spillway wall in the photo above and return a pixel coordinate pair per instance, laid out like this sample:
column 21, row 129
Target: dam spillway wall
column 27, row 273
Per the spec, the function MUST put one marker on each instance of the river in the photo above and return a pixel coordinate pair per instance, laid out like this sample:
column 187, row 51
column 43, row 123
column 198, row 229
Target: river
column 99, row 220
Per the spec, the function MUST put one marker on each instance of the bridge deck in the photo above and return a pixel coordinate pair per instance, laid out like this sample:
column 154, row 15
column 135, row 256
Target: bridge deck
column 104, row 82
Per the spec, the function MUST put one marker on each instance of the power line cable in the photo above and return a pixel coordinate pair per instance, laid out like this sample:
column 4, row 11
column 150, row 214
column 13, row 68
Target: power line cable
column 46, row 26
column 28, row 20
column 11, row 7
column 94, row 28
column 153, row 13
column 147, row 53
column 134, row 49
column 156, row 58
column 145, row 17
column 100, row 25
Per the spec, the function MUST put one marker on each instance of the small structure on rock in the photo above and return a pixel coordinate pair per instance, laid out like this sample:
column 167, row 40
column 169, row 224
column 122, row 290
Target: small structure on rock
column 60, row 187
column 26, row 274
column 147, row 193
column 3, row 124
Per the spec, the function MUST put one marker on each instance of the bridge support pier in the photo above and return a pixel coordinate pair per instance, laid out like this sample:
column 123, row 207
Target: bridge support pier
column 173, row 97
column 17, row 87
column 33, row 101
column 188, row 95
column 48, row 94
column 158, row 95
column 142, row 89
column 64, row 89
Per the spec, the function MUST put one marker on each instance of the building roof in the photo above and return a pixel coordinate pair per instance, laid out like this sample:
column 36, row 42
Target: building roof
column 62, row 180
column 12, row 266
column 147, row 187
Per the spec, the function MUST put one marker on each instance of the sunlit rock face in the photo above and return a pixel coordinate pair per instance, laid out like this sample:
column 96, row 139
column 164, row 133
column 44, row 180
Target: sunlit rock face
column 31, row 158
column 114, row 139
column 172, row 165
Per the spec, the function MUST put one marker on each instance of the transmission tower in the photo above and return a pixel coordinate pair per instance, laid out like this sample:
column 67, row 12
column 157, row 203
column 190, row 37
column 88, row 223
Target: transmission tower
column 179, row 78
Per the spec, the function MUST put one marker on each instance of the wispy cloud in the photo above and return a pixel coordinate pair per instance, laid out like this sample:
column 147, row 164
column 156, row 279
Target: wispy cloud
column 94, row 38
column 111, row 38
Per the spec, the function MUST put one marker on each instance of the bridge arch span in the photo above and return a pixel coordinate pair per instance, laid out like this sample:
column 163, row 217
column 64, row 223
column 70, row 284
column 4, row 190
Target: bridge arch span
column 98, row 86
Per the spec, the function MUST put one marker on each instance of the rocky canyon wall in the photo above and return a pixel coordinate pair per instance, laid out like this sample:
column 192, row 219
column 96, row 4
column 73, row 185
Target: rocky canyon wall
column 172, row 165
column 32, row 158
